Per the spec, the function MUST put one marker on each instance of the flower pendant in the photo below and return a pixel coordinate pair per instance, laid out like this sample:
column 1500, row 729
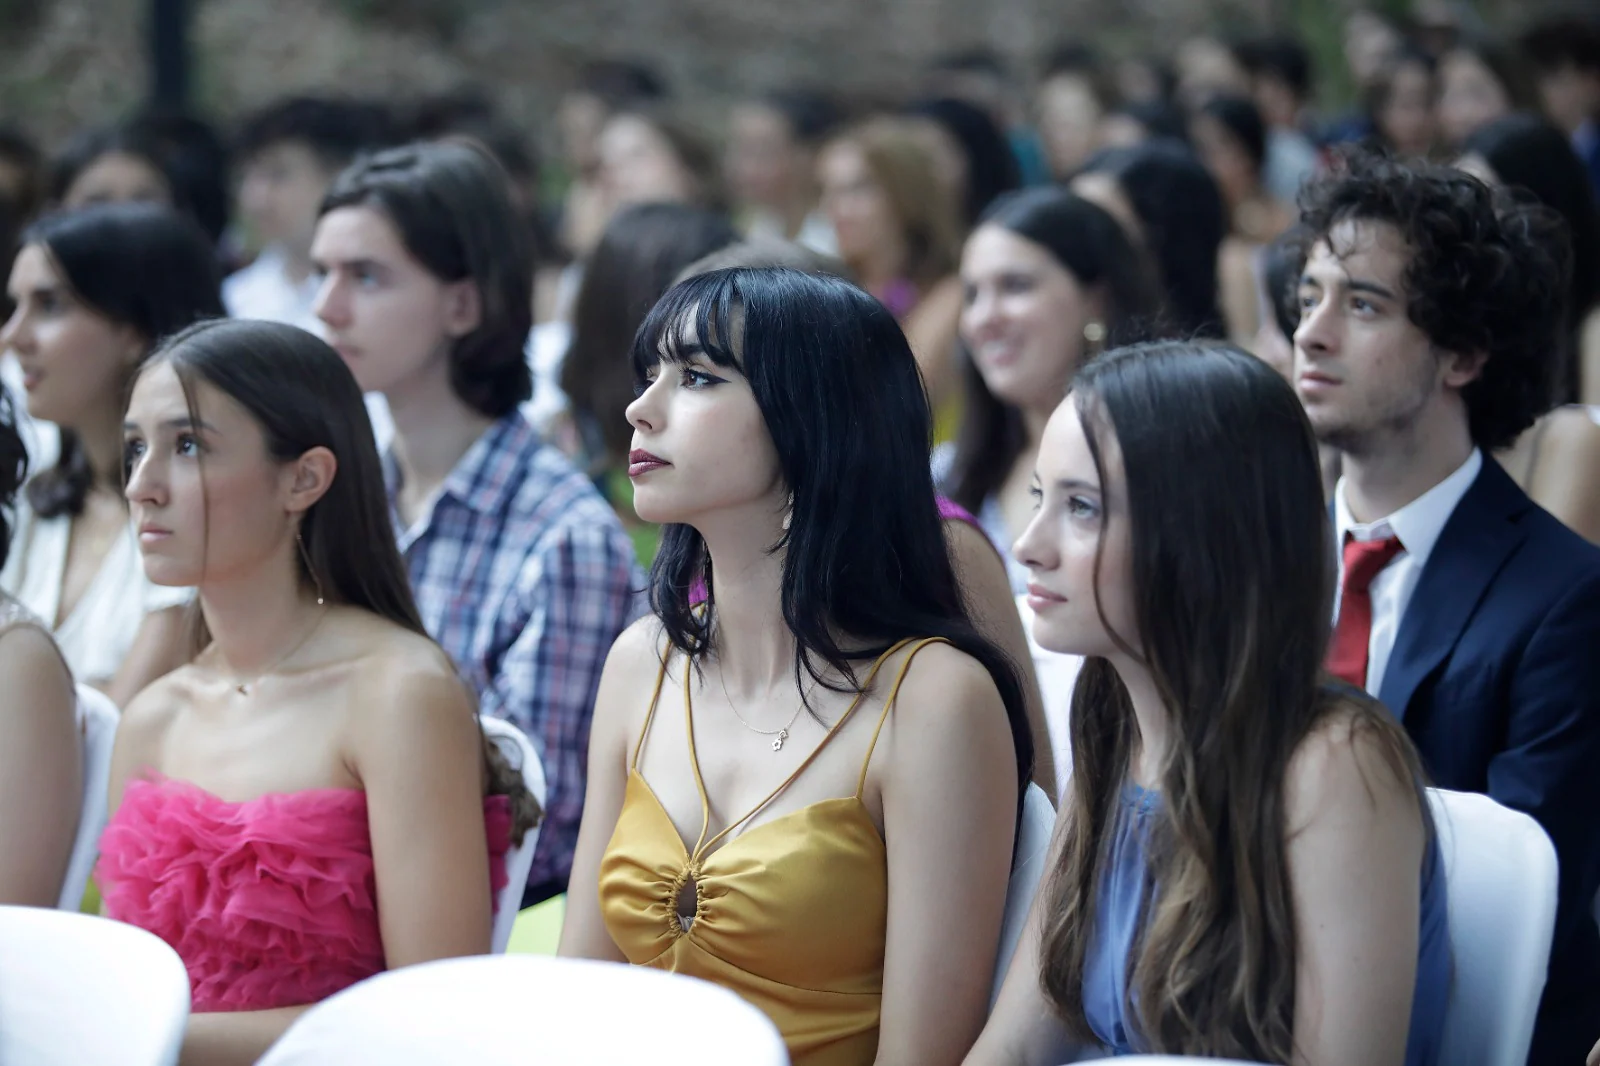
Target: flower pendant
column 783, row 735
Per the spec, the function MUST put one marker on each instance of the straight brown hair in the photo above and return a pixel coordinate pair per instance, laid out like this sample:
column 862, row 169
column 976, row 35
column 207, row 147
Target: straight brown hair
column 1232, row 599
column 303, row 396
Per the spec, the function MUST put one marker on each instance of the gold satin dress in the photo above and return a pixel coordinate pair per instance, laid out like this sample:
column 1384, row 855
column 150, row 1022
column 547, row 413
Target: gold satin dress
column 792, row 914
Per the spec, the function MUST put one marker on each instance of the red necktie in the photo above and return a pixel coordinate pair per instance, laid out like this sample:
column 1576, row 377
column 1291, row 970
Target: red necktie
column 1364, row 560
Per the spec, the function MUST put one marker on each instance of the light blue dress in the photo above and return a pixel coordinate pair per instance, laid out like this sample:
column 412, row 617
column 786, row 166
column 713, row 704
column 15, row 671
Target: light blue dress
column 1123, row 889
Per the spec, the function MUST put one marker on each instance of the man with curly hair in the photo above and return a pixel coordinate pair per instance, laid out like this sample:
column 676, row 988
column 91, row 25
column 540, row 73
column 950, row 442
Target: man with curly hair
column 1429, row 309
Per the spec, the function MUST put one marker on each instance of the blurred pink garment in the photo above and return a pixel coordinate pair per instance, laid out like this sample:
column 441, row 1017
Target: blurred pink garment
column 270, row 902
column 951, row 510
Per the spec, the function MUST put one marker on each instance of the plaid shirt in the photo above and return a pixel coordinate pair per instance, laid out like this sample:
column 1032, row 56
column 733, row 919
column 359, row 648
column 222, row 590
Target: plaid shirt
column 525, row 576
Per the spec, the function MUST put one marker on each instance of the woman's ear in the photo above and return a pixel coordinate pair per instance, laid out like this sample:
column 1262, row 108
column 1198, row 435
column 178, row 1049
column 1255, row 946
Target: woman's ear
column 310, row 477
column 463, row 307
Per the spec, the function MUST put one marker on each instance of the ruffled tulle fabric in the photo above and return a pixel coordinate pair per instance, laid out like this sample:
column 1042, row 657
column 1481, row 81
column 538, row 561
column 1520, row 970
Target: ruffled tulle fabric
column 270, row 902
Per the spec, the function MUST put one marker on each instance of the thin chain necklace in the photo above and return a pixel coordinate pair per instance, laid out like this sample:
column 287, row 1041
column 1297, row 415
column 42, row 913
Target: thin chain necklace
column 246, row 686
column 779, row 735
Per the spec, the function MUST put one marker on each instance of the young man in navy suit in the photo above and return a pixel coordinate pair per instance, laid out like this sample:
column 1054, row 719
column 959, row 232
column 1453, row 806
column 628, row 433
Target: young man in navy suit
column 1429, row 308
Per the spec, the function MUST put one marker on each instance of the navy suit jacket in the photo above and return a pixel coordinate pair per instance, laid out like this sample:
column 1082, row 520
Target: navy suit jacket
column 1495, row 673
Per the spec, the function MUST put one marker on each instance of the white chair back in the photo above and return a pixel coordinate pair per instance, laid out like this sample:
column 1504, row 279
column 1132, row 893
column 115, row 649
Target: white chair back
column 1177, row 1060
column 1027, row 870
column 519, row 750
column 1058, row 676
column 76, row 989
column 1500, row 873
column 511, row 1010
column 97, row 734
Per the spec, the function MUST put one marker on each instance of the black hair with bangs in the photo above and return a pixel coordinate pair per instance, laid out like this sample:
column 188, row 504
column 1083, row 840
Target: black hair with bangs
column 865, row 563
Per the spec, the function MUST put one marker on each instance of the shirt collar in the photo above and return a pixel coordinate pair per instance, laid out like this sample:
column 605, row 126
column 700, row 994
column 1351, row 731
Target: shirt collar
column 477, row 480
column 1419, row 523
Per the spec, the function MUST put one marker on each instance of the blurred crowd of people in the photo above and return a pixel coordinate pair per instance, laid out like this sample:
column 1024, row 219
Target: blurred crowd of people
column 514, row 326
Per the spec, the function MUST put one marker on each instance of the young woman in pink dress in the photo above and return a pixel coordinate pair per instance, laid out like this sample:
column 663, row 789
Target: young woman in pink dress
column 319, row 752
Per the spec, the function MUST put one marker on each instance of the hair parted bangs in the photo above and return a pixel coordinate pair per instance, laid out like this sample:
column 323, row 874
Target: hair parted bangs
column 865, row 562
column 692, row 320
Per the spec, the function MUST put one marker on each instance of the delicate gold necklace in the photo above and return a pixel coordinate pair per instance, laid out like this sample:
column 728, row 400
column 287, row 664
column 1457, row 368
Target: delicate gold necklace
column 246, row 686
column 779, row 735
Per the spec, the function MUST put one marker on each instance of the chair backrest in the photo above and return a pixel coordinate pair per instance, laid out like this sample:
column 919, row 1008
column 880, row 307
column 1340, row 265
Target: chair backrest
column 1058, row 676
column 510, row 1010
column 78, row 989
column 1500, row 875
column 1178, row 1060
column 1027, row 870
column 519, row 750
column 97, row 735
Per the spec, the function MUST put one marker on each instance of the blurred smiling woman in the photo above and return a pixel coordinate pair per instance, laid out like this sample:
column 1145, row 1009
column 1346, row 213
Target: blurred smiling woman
column 94, row 291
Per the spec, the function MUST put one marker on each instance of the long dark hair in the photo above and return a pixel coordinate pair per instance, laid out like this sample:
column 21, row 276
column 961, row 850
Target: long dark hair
column 13, row 469
column 1240, row 116
column 1181, row 211
column 1232, row 595
column 140, row 265
column 992, row 168
column 450, row 202
column 187, row 152
column 303, row 396
column 640, row 254
column 1526, row 152
column 1090, row 245
column 864, row 559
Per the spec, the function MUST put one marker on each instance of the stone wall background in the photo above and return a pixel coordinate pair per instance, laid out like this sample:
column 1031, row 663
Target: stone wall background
column 68, row 63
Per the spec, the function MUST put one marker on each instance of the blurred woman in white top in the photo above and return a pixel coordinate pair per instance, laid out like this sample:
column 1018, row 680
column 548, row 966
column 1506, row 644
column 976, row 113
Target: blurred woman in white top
column 93, row 291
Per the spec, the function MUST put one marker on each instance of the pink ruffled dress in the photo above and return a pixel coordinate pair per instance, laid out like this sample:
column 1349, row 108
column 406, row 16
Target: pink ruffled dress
column 271, row 902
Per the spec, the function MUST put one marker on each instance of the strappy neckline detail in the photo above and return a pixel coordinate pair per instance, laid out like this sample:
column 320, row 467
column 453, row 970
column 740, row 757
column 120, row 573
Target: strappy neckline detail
column 703, row 848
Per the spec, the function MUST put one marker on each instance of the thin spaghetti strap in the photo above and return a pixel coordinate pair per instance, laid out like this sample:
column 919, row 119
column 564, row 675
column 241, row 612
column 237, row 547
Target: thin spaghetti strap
column 694, row 761
column 798, row 770
column 650, row 716
column 888, row 705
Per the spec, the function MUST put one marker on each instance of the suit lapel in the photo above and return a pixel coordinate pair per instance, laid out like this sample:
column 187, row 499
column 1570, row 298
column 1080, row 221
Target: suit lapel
column 1480, row 536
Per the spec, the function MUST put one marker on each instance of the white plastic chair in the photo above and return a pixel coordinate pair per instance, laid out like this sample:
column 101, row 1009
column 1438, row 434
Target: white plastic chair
column 1058, row 676
column 76, row 989
column 1179, row 1060
column 97, row 732
column 512, row 1010
column 1500, row 874
column 1027, row 870
column 519, row 860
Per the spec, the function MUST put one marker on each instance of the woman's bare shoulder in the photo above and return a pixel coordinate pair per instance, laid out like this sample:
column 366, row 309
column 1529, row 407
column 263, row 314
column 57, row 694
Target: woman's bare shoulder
column 1575, row 437
column 1352, row 764
column 148, row 716
column 944, row 679
column 640, row 647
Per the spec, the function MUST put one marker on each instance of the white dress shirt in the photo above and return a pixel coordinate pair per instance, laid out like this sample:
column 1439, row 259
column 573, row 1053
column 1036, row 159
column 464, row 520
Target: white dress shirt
column 1418, row 525
column 264, row 290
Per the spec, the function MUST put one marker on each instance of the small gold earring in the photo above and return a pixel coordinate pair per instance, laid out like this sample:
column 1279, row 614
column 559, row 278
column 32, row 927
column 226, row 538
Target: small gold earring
column 305, row 556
